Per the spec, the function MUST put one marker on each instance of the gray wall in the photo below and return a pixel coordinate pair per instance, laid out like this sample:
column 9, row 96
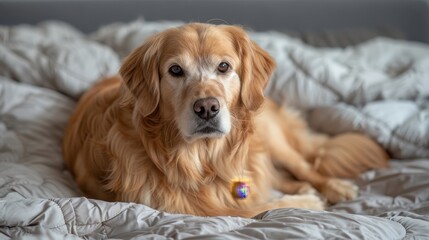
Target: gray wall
column 409, row 16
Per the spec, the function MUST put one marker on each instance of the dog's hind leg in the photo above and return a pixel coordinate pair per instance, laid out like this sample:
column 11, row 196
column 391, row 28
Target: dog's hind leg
column 284, row 155
column 333, row 189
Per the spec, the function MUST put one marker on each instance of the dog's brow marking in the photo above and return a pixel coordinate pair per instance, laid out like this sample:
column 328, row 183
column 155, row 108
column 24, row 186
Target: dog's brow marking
column 207, row 75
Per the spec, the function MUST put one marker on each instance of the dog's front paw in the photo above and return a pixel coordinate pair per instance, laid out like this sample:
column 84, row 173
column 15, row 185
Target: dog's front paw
column 307, row 189
column 307, row 201
column 337, row 190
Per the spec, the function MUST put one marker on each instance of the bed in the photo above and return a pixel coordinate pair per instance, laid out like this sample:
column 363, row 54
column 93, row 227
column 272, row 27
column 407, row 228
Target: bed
column 344, row 72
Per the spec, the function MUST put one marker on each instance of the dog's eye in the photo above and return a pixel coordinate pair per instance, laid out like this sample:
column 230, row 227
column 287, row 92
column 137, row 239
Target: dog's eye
column 223, row 67
column 176, row 71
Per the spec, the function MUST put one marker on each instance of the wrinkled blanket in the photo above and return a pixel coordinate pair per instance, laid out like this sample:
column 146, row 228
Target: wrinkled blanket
column 380, row 88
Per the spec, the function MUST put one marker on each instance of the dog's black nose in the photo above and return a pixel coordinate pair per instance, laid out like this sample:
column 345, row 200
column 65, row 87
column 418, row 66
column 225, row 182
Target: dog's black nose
column 206, row 108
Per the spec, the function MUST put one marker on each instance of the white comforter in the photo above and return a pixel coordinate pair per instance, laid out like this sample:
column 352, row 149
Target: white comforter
column 380, row 88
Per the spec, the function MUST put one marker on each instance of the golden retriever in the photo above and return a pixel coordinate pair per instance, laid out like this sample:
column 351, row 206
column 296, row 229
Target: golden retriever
column 184, row 120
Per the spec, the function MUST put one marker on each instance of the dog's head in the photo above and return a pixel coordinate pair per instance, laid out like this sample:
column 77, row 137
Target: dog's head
column 196, row 75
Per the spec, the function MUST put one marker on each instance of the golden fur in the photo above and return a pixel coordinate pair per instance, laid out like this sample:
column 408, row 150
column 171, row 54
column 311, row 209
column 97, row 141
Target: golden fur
column 133, row 136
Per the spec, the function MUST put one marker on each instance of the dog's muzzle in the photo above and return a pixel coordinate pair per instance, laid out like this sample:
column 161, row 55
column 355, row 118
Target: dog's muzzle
column 207, row 110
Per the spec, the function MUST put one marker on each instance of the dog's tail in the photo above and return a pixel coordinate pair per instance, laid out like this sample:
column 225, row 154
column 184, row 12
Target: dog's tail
column 348, row 155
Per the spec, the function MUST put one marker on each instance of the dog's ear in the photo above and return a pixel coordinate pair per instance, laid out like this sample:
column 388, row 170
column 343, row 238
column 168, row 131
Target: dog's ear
column 257, row 67
column 140, row 73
